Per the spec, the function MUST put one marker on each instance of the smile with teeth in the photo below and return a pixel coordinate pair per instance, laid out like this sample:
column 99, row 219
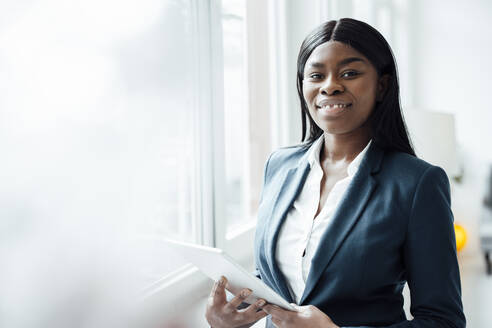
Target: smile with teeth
column 335, row 106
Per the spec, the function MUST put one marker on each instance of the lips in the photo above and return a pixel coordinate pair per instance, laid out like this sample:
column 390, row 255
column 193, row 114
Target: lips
column 333, row 103
column 335, row 106
column 332, row 108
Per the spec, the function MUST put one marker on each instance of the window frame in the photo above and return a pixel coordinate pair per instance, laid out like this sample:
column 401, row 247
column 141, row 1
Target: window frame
column 207, row 106
column 238, row 240
column 209, row 168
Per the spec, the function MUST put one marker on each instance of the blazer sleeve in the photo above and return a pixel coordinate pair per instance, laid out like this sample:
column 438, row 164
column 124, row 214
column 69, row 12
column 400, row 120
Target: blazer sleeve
column 256, row 272
column 429, row 255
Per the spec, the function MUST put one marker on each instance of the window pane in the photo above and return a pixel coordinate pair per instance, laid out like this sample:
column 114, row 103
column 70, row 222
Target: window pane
column 158, row 70
column 236, row 116
column 95, row 112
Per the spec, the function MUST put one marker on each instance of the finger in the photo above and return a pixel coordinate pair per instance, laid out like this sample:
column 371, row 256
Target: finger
column 250, row 316
column 239, row 298
column 260, row 315
column 218, row 294
column 253, row 312
column 274, row 310
column 253, row 308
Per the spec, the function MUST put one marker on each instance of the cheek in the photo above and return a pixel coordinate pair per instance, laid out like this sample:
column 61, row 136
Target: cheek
column 367, row 97
column 309, row 93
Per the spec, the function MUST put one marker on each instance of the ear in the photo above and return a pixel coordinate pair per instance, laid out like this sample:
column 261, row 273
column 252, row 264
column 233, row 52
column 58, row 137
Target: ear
column 382, row 87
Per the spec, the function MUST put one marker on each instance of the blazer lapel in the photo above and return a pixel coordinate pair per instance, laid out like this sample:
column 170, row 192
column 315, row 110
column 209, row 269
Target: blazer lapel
column 291, row 186
column 345, row 217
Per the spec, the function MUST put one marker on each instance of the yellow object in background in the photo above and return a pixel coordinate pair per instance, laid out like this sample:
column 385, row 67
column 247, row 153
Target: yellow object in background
column 460, row 234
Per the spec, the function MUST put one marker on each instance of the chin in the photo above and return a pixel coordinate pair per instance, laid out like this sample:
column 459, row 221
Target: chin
column 336, row 131
column 335, row 128
column 341, row 126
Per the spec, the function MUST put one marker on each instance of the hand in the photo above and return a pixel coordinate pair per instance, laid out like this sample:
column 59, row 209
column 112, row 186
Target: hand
column 223, row 314
column 304, row 316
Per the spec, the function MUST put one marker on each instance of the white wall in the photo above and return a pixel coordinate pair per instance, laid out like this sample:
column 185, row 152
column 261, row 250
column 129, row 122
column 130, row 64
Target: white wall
column 453, row 47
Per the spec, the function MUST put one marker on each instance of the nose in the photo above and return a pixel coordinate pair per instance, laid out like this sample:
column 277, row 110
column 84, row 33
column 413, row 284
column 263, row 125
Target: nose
column 331, row 86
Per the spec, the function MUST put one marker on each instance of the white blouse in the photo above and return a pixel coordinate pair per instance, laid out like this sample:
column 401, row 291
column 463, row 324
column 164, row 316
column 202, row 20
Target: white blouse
column 300, row 232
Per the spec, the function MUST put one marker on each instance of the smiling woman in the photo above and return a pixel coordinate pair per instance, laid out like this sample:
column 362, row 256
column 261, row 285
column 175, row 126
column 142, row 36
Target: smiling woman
column 340, row 87
column 351, row 215
column 365, row 60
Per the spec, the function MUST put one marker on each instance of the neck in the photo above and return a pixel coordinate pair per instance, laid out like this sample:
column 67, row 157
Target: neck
column 343, row 148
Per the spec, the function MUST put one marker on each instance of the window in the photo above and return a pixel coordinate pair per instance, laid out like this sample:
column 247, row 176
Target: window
column 246, row 123
column 99, row 122
column 236, row 116
column 159, row 70
column 228, row 157
column 138, row 124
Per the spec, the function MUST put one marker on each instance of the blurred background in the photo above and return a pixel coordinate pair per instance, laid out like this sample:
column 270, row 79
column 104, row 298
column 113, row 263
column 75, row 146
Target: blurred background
column 126, row 122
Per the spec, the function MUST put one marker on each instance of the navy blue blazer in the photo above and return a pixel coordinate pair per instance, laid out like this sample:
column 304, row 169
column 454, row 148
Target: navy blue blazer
column 393, row 225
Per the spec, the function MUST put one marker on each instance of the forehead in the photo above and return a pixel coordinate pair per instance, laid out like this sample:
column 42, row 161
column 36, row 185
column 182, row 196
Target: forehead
column 332, row 52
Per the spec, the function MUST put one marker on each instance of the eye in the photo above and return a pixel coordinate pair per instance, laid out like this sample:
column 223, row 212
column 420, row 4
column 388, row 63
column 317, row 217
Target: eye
column 350, row 74
column 315, row 76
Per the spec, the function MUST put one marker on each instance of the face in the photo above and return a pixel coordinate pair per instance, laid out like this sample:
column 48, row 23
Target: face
column 340, row 87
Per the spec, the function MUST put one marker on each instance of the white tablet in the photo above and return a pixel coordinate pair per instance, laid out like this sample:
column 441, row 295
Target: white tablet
column 215, row 263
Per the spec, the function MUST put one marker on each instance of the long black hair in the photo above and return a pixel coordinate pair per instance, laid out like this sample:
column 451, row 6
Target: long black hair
column 387, row 126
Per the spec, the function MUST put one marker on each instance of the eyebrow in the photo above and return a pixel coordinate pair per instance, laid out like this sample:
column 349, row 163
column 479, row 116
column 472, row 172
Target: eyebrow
column 343, row 62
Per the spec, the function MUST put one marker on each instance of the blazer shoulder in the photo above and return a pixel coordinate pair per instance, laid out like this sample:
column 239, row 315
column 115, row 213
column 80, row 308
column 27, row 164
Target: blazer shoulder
column 285, row 158
column 407, row 163
column 410, row 169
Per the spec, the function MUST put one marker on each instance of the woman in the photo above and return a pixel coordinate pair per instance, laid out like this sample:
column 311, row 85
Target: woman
column 350, row 215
